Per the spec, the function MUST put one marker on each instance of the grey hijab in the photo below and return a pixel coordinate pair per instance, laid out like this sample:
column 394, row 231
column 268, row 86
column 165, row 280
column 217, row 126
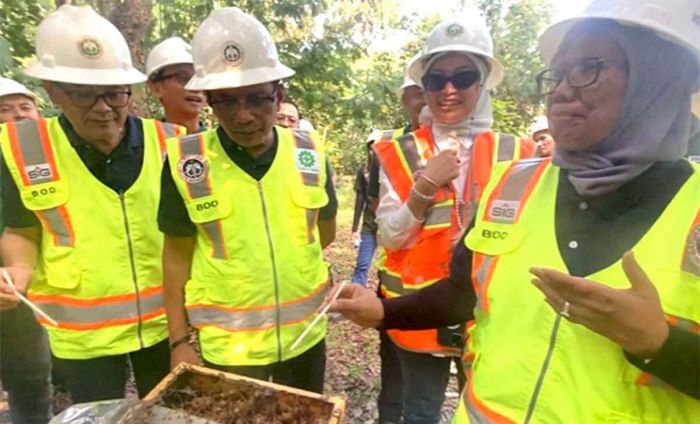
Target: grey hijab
column 655, row 122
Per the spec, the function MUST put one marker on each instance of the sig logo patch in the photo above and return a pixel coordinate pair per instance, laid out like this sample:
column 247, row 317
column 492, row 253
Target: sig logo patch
column 193, row 168
column 307, row 160
column 504, row 211
column 41, row 171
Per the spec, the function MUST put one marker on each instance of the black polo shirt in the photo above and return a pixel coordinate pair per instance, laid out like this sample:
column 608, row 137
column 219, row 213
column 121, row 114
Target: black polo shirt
column 117, row 170
column 172, row 213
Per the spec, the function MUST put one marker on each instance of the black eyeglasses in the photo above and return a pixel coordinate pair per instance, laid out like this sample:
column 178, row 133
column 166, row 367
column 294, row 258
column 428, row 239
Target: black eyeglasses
column 180, row 77
column 460, row 80
column 252, row 102
column 86, row 99
column 583, row 73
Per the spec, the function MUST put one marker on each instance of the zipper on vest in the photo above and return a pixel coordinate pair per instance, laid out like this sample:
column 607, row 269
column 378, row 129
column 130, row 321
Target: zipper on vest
column 134, row 278
column 543, row 370
column 274, row 273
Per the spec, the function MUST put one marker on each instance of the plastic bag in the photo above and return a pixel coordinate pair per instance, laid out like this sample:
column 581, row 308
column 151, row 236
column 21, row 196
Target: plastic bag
column 103, row 412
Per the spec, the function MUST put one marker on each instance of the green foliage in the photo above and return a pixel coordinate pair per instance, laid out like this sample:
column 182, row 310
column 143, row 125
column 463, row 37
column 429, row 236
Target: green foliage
column 515, row 27
column 18, row 22
column 343, row 84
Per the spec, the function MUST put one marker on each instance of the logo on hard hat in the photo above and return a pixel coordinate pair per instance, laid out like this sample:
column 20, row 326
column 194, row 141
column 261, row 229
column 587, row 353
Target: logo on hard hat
column 90, row 48
column 232, row 54
column 193, row 168
column 454, row 30
column 307, row 160
column 691, row 263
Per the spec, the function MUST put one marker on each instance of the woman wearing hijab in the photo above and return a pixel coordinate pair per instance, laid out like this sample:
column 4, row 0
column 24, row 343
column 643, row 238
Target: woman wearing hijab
column 607, row 232
column 431, row 180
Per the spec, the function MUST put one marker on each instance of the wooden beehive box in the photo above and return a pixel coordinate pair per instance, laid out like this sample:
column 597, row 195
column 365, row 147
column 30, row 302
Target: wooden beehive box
column 229, row 398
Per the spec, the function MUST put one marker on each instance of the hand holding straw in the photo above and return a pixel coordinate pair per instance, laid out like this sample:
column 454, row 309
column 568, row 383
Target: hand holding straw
column 26, row 301
column 319, row 316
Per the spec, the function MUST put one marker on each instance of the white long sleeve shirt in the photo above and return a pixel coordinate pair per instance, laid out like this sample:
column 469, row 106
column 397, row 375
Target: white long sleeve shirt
column 398, row 228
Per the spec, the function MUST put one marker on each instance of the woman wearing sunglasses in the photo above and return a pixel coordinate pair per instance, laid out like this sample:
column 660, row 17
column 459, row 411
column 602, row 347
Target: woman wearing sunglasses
column 607, row 233
column 431, row 180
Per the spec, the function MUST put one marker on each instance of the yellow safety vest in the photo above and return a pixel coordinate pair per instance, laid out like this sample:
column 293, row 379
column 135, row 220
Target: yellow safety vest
column 99, row 272
column 528, row 365
column 258, row 275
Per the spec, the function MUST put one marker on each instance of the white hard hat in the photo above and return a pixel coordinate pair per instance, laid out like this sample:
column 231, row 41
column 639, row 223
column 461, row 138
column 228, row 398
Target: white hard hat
column 233, row 49
column 677, row 21
column 407, row 80
column 171, row 51
column 466, row 32
column 9, row 86
column 306, row 125
column 540, row 124
column 76, row 45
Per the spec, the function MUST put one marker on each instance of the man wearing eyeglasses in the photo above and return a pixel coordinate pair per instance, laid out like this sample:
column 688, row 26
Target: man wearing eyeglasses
column 169, row 67
column 80, row 193
column 246, row 209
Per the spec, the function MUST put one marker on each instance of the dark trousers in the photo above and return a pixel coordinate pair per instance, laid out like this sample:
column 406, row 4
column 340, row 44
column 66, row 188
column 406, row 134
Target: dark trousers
column 425, row 379
column 90, row 380
column 390, row 401
column 306, row 371
column 25, row 366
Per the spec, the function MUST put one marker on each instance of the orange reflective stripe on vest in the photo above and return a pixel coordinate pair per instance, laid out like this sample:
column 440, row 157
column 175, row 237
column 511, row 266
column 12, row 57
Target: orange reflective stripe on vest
column 164, row 132
column 257, row 318
column 391, row 158
column 37, row 165
column 193, row 146
column 504, row 203
column 478, row 412
column 439, row 216
column 90, row 314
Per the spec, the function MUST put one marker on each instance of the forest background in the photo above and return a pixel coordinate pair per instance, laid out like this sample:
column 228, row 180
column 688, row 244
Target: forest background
column 348, row 67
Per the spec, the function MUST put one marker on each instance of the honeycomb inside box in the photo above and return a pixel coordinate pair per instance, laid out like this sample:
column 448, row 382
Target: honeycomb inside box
column 226, row 398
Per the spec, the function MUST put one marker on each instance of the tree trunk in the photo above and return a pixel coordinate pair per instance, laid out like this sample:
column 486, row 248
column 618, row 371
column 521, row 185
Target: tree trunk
column 133, row 18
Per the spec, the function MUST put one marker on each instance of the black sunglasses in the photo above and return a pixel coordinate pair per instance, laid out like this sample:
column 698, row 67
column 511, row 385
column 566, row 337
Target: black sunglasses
column 460, row 80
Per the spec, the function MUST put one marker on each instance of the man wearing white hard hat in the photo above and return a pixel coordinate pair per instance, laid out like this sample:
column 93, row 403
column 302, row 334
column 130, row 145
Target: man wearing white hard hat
column 17, row 102
column 169, row 67
column 25, row 359
column 539, row 131
column 432, row 180
column 80, row 195
column 246, row 208
column 585, row 301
